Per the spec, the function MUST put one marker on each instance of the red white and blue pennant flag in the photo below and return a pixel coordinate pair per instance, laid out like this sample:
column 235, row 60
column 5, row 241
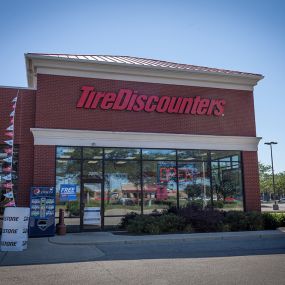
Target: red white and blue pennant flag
column 7, row 166
column 10, row 128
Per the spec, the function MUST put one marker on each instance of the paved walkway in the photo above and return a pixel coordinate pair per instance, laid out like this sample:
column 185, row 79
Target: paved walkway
column 96, row 238
column 78, row 247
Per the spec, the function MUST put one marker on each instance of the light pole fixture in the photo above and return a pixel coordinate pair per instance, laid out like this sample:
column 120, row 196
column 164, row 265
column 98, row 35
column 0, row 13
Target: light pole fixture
column 275, row 205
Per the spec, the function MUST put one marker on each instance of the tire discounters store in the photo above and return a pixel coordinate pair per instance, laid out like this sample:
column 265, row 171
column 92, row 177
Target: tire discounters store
column 126, row 134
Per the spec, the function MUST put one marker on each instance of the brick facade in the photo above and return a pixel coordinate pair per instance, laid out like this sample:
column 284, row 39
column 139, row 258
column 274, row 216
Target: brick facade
column 44, row 165
column 57, row 97
column 53, row 105
column 251, row 181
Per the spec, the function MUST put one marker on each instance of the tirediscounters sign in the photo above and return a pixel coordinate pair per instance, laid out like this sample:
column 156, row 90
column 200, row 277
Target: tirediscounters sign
column 130, row 100
column 67, row 192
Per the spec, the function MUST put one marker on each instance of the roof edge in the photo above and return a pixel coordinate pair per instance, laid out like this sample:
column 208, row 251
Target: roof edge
column 32, row 70
column 17, row 87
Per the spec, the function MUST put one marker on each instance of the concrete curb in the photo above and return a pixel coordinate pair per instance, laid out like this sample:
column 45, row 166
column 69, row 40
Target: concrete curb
column 169, row 238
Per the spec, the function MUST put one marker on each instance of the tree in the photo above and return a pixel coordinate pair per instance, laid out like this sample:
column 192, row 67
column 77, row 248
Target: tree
column 193, row 191
column 280, row 183
column 265, row 179
column 226, row 189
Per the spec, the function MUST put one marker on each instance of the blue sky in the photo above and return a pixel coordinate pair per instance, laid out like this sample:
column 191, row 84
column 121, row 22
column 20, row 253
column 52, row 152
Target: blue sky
column 239, row 35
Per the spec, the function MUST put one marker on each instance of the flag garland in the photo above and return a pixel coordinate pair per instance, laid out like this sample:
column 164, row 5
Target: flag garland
column 9, row 199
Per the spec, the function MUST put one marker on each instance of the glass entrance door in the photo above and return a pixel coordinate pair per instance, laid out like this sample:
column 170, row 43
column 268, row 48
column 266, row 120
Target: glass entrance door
column 91, row 210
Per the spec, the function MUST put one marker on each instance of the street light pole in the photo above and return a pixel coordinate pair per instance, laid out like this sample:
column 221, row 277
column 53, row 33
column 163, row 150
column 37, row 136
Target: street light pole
column 275, row 205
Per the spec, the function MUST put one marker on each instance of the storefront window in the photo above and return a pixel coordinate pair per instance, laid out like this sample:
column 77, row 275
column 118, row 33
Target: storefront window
column 227, row 180
column 200, row 155
column 159, row 185
column 92, row 153
column 68, row 173
column 194, row 183
column 122, row 187
column 122, row 153
column 92, row 169
column 68, row 152
column 145, row 180
column 158, row 154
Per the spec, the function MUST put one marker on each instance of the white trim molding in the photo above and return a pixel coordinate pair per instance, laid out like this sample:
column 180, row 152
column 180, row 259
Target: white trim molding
column 37, row 64
column 67, row 137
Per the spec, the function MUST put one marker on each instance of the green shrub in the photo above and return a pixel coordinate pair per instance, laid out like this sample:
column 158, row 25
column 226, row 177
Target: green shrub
column 153, row 228
column 126, row 219
column 167, row 203
column 226, row 228
column 192, row 218
column 195, row 204
column 73, row 208
column 218, row 204
column 188, row 229
column 236, row 221
column 202, row 220
column 244, row 221
column 254, row 221
column 156, row 224
column 171, row 223
column 273, row 221
column 139, row 224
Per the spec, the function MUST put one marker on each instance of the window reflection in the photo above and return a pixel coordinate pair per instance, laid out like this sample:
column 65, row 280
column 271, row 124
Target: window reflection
column 227, row 180
column 159, row 154
column 122, row 153
column 225, row 155
column 92, row 153
column 192, row 155
column 203, row 176
column 68, row 173
column 92, row 169
column 159, row 185
column 194, row 183
column 122, row 187
column 68, row 152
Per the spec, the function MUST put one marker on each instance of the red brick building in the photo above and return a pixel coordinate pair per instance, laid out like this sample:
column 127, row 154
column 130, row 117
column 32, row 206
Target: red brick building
column 117, row 127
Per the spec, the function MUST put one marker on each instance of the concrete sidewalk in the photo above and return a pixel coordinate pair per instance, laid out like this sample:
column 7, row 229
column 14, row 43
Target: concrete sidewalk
column 97, row 238
column 81, row 247
column 41, row 251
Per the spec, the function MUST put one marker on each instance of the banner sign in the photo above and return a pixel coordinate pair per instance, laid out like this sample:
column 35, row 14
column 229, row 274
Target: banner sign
column 67, row 192
column 130, row 100
column 42, row 203
column 15, row 229
column 6, row 190
column 92, row 216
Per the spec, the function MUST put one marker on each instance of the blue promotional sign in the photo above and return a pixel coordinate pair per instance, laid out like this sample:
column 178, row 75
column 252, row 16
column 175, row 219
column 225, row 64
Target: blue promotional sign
column 42, row 217
column 67, row 192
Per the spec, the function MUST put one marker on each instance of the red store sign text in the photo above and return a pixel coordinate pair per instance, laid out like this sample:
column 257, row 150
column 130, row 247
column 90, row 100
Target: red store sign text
column 130, row 100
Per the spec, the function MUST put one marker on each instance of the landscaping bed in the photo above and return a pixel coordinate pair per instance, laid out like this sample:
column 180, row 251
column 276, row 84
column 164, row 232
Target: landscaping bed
column 193, row 218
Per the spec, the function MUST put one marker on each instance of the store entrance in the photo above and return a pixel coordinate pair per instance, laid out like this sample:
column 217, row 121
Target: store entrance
column 91, row 214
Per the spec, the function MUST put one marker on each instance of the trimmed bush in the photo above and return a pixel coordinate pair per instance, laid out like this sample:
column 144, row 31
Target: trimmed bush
column 254, row 221
column 171, row 223
column 244, row 221
column 273, row 221
column 188, row 229
column 156, row 224
column 127, row 218
column 193, row 218
column 202, row 220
